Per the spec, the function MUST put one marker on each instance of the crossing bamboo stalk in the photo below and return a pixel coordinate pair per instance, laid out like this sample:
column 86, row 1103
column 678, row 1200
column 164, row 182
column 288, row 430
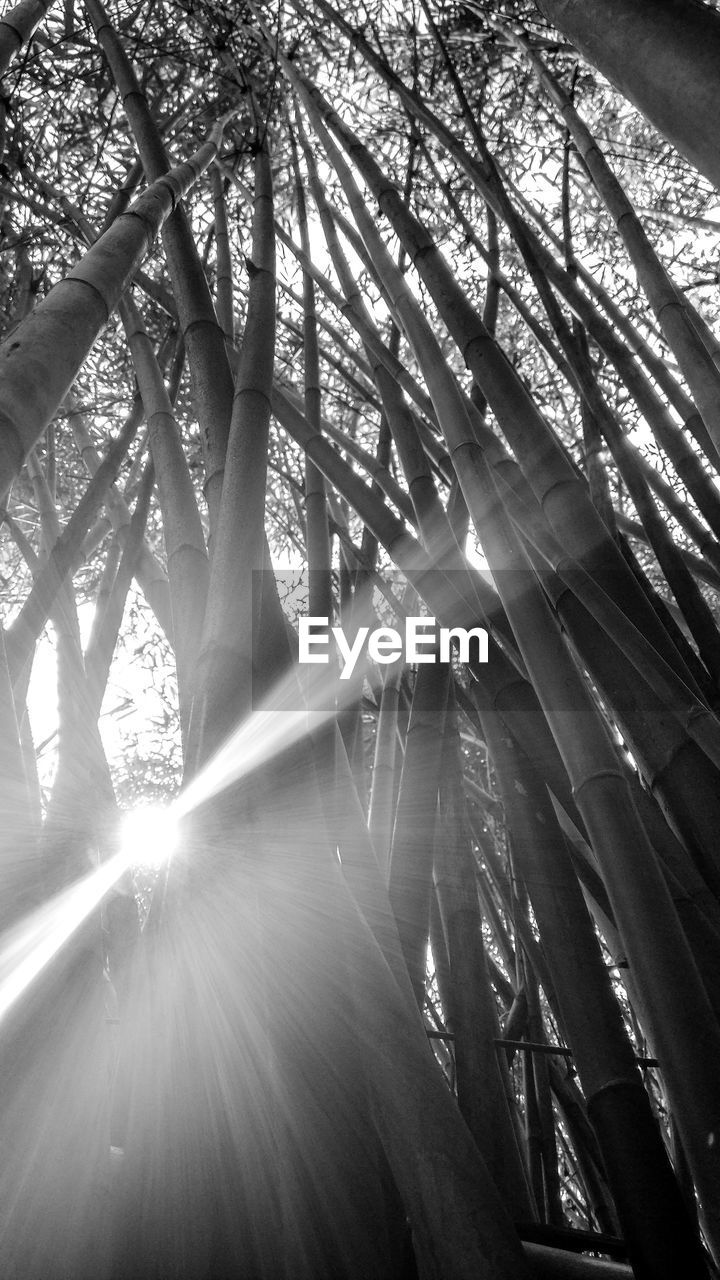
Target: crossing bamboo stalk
column 151, row 575
column 101, row 646
column 42, row 356
column 667, row 303
column 65, row 555
column 612, row 820
column 183, row 534
column 564, row 498
column 436, row 532
column 673, row 83
column 604, row 1057
column 367, row 333
column 486, row 178
column 376, row 469
column 201, row 332
column 511, row 692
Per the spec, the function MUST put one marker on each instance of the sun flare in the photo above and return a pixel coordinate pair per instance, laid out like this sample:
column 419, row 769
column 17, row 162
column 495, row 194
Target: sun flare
column 149, row 836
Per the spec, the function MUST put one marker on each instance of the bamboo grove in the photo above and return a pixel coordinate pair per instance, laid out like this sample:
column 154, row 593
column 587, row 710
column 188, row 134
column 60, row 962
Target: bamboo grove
column 362, row 313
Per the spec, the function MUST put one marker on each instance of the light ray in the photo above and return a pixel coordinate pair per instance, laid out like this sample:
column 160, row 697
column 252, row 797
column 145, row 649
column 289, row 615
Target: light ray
column 270, row 730
column 151, row 832
column 28, row 947
column 149, row 835
column 301, row 704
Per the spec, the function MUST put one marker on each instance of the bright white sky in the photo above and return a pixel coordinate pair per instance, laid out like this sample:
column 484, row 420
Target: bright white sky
column 130, row 688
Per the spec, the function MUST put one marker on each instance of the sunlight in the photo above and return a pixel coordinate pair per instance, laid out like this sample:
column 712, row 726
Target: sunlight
column 270, row 730
column 302, row 702
column 26, row 949
column 149, row 836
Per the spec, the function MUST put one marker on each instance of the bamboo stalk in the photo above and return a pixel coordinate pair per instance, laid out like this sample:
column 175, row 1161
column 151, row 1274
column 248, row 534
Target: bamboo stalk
column 367, row 333
column 42, row 356
column 485, row 179
column 224, row 280
column 483, row 1095
column 603, row 1054
column 381, row 809
column 202, row 335
column 17, row 26
column 105, row 603
column 436, row 532
column 151, row 575
column 511, row 693
column 602, row 796
column 681, row 48
column 230, row 642
column 101, row 646
column 21, row 817
column 411, row 855
column 665, row 299
column 565, row 501
column 185, row 551
column 64, row 556
column 318, row 536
